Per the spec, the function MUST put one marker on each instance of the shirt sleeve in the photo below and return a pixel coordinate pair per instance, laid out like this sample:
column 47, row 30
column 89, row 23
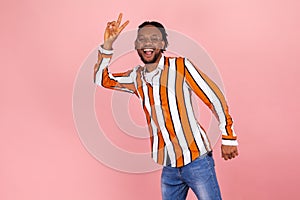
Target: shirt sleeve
column 117, row 81
column 212, row 96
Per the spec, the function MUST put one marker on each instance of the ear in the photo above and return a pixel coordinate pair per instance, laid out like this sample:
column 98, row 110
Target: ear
column 163, row 47
column 135, row 45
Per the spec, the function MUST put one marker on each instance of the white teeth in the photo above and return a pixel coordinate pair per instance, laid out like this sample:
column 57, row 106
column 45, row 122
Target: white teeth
column 148, row 49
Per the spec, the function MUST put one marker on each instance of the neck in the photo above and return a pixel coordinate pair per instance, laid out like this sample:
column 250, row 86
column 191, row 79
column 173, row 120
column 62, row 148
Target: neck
column 152, row 66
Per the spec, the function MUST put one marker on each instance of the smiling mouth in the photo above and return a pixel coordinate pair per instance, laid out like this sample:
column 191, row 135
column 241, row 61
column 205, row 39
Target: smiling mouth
column 148, row 51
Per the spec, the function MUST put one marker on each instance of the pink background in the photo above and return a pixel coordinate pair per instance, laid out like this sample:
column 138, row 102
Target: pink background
column 255, row 45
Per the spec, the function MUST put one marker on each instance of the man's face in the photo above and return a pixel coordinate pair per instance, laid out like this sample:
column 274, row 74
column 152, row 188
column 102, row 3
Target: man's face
column 149, row 43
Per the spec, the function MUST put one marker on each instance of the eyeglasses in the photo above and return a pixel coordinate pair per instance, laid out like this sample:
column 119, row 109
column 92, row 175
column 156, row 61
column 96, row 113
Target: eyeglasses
column 152, row 39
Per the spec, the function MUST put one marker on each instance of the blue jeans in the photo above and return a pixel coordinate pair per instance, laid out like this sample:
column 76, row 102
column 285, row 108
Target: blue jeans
column 198, row 175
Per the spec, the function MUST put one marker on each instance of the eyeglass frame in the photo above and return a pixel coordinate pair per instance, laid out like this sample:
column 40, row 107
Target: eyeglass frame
column 151, row 40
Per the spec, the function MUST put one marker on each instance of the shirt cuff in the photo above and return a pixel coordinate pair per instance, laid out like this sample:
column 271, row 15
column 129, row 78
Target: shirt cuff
column 229, row 142
column 105, row 51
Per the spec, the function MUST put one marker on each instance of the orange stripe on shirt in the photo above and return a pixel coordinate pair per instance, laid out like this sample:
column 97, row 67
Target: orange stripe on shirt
column 107, row 82
column 221, row 98
column 142, row 96
column 161, row 143
column 167, row 115
column 182, row 110
column 191, row 82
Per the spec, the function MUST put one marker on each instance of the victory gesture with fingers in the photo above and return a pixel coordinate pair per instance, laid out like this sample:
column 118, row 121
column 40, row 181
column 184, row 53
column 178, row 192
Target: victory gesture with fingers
column 112, row 31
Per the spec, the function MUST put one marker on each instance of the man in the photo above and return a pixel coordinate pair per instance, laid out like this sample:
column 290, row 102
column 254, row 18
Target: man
column 164, row 85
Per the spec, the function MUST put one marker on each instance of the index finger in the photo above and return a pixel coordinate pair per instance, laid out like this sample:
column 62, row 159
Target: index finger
column 119, row 19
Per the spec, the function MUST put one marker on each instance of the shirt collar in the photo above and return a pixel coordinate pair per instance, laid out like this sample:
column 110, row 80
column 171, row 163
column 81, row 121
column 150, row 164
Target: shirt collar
column 160, row 65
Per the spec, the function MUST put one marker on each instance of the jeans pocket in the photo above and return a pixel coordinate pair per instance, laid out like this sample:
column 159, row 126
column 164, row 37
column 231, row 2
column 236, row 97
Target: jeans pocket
column 211, row 160
column 200, row 171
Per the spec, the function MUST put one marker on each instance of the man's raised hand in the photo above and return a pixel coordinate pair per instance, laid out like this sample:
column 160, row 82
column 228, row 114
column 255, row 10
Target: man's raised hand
column 112, row 31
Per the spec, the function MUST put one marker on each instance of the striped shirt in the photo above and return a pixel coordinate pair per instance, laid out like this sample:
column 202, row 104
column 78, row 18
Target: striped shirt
column 176, row 136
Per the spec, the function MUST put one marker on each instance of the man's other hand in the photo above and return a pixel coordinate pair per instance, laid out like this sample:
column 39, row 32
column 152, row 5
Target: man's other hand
column 229, row 152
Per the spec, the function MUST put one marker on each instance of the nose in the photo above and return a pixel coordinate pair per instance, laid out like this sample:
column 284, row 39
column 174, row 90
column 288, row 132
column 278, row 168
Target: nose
column 147, row 41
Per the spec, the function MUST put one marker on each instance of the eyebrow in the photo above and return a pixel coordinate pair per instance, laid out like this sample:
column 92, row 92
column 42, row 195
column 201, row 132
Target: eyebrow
column 150, row 35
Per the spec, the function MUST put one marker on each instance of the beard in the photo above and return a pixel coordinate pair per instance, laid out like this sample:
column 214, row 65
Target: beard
column 153, row 60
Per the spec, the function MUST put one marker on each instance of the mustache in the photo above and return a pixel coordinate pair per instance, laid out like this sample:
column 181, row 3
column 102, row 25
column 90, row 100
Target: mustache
column 148, row 47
